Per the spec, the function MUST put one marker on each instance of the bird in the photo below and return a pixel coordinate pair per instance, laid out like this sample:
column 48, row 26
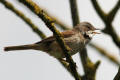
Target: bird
column 76, row 39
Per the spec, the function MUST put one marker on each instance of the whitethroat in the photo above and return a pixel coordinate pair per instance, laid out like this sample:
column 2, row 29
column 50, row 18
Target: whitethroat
column 75, row 39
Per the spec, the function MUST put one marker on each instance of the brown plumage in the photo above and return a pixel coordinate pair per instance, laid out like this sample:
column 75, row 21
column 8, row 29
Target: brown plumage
column 76, row 39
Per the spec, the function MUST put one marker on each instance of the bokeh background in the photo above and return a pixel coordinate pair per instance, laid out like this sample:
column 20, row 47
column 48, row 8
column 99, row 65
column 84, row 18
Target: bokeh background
column 37, row 65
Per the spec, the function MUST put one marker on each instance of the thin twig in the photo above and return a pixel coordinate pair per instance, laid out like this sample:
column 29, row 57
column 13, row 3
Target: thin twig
column 113, row 12
column 56, row 20
column 98, row 9
column 49, row 23
column 66, row 65
column 106, row 54
column 110, row 31
column 74, row 12
column 117, row 77
column 9, row 6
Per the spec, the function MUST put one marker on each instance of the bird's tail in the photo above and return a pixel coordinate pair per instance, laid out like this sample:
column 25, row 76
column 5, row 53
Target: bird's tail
column 22, row 47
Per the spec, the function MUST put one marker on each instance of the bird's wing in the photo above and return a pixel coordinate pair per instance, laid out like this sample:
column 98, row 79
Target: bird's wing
column 47, row 40
column 68, row 33
column 50, row 39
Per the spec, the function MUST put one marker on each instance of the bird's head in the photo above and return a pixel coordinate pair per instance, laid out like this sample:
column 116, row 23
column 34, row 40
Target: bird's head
column 87, row 30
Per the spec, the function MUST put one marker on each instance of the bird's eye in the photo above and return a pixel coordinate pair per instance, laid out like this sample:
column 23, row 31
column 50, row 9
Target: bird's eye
column 88, row 26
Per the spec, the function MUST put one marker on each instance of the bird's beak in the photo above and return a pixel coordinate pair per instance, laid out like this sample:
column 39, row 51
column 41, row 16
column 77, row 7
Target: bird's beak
column 97, row 29
column 94, row 32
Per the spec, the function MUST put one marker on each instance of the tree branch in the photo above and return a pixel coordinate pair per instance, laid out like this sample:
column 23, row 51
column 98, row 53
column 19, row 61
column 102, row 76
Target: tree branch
column 110, row 31
column 56, row 20
column 9, row 6
column 74, row 12
column 66, row 65
column 98, row 9
column 113, row 12
column 49, row 23
column 104, row 53
column 117, row 77
column 107, row 20
column 89, row 67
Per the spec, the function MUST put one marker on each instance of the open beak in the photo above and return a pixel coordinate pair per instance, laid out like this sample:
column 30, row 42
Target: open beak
column 94, row 32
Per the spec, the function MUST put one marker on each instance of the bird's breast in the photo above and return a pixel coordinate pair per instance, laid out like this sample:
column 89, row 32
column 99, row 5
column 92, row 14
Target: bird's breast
column 75, row 43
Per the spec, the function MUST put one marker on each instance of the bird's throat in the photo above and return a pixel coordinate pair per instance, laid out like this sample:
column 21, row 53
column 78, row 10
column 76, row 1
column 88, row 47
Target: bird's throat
column 87, row 36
